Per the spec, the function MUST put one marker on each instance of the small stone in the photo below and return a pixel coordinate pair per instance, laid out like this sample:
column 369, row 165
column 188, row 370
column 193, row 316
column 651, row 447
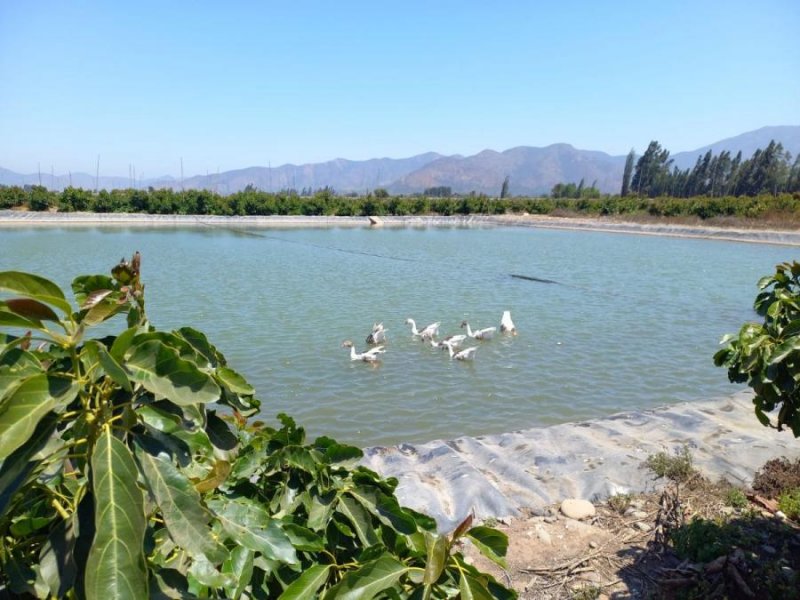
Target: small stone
column 550, row 519
column 768, row 549
column 535, row 519
column 639, row 514
column 575, row 508
column 593, row 544
column 538, row 512
column 642, row 526
column 543, row 536
column 629, row 512
column 780, row 515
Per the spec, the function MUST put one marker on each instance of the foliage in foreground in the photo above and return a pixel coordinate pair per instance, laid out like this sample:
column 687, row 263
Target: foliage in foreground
column 128, row 468
column 766, row 355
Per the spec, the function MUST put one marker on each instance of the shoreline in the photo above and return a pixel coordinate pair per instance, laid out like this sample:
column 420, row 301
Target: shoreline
column 786, row 237
column 497, row 476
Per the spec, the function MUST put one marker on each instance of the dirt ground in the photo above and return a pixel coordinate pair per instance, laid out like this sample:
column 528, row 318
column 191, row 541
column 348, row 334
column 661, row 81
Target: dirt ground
column 616, row 554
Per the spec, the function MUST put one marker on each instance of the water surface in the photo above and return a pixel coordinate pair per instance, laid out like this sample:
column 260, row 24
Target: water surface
column 631, row 323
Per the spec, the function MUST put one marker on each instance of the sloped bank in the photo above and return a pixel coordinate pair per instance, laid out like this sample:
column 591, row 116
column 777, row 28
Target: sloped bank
column 14, row 218
column 496, row 476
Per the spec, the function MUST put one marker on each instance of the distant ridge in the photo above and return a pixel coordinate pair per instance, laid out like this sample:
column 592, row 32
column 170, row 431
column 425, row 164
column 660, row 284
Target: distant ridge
column 531, row 170
column 747, row 143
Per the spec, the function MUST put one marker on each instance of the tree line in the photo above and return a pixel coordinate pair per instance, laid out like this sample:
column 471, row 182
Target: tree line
column 768, row 171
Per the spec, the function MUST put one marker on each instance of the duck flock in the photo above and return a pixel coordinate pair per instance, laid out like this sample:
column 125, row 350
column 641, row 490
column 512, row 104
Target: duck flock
column 452, row 343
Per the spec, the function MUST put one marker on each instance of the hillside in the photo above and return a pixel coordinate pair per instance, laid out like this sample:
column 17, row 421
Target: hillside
column 531, row 170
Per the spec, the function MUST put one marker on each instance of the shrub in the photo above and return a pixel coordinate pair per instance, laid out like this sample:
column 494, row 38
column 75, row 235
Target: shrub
column 766, row 356
column 129, row 467
column 677, row 468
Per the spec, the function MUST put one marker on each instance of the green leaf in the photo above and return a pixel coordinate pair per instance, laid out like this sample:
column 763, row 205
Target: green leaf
column 25, row 406
column 473, row 589
column 207, row 575
column 16, row 469
column 185, row 518
column 320, row 512
column 33, row 286
column 386, row 508
column 200, row 343
column 369, row 580
column 306, row 586
column 239, row 567
column 492, row 543
column 91, row 285
column 98, row 353
column 122, row 343
column 783, row 350
column 234, row 381
column 116, row 567
column 437, row 547
column 159, row 419
column 249, row 524
column 359, row 517
column 219, row 432
column 57, row 559
column 161, row 371
column 12, row 319
column 102, row 311
column 303, row 538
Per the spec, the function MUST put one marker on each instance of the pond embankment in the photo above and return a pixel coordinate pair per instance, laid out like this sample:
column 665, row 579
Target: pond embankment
column 765, row 236
column 498, row 475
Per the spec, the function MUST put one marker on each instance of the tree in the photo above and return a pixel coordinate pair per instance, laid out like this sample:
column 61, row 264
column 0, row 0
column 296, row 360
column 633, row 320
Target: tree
column 627, row 173
column 39, row 198
column 766, row 355
column 651, row 177
column 504, row 188
column 128, row 468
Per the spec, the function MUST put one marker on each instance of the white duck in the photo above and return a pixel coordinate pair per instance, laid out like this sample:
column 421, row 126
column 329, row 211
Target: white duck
column 465, row 354
column 452, row 340
column 480, row 334
column 427, row 333
column 377, row 335
column 506, row 324
column 370, row 356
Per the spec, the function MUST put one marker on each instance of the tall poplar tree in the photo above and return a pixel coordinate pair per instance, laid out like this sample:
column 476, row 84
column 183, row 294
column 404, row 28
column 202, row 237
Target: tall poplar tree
column 627, row 173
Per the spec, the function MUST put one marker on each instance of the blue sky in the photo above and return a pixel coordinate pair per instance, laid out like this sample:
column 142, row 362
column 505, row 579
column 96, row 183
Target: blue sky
column 225, row 85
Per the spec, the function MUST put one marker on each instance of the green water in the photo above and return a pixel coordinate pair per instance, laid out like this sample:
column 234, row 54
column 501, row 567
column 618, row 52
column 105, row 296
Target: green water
column 631, row 323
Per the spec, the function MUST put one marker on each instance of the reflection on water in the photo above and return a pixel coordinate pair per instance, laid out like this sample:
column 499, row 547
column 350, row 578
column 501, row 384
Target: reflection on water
column 632, row 321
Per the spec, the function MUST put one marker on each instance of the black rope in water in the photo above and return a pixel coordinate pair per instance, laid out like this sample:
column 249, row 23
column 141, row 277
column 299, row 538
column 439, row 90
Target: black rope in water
column 347, row 251
column 309, row 244
column 537, row 279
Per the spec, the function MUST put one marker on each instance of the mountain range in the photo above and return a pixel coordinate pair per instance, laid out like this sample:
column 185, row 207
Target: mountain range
column 530, row 170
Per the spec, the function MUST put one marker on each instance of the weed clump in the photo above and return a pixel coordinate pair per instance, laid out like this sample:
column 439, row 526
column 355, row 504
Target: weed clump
column 619, row 502
column 736, row 498
column 678, row 468
column 789, row 503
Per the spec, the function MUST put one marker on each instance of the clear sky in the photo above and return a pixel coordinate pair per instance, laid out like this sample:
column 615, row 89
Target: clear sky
column 226, row 85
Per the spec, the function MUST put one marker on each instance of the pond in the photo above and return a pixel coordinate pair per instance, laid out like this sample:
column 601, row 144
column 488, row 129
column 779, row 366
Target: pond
column 628, row 322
